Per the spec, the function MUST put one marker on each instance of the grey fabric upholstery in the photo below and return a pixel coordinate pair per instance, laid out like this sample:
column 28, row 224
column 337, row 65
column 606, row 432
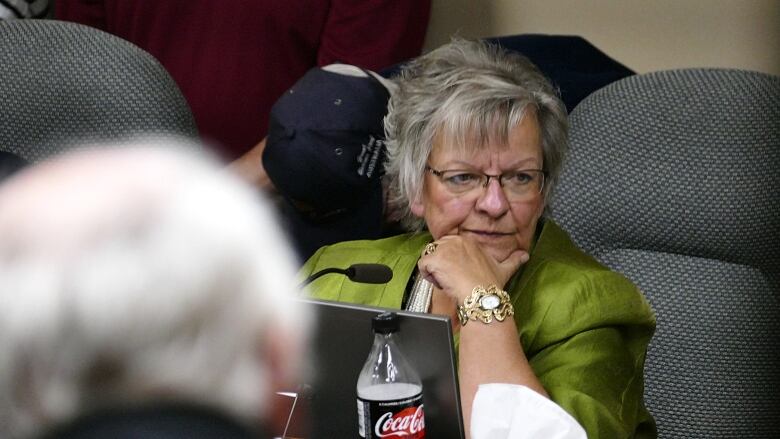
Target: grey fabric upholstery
column 63, row 82
column 673, row 179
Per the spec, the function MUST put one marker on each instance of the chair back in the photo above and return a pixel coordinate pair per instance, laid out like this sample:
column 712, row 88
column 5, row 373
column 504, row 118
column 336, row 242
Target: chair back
column 673, row 179
column 63, row 83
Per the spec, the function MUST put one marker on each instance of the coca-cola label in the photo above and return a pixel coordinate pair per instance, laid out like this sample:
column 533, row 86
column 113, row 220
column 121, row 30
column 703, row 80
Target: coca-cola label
column 400, row 418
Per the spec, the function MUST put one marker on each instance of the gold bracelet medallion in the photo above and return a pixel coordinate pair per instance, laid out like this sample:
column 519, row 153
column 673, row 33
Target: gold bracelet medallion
column 484, row 304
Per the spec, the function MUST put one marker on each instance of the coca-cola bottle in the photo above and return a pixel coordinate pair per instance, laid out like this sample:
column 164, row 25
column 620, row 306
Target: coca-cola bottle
column 389, row 392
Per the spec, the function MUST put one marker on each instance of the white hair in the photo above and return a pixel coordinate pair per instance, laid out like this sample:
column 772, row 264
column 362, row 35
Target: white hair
column 133, row 275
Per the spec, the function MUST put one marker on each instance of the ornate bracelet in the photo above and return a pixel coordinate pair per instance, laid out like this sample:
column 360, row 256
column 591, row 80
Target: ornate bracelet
column 484, row 304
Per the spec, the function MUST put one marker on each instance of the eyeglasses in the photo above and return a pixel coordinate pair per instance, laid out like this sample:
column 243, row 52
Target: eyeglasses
column 518, row 185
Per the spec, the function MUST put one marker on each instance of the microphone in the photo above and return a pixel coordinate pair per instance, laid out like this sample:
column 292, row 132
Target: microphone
column 361, row 273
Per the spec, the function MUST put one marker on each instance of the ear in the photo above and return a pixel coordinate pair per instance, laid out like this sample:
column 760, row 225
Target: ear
column 540, row 210
column 418, row 206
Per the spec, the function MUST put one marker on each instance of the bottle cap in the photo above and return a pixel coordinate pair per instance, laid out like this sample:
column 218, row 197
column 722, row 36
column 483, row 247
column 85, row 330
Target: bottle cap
column 385, row 323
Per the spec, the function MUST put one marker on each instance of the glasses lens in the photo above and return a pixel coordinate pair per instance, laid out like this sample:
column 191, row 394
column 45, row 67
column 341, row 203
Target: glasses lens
column 461, row 181
column 522, row 182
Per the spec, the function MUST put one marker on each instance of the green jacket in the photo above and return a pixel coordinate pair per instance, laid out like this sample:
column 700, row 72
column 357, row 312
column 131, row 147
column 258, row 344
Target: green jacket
column 584, row 328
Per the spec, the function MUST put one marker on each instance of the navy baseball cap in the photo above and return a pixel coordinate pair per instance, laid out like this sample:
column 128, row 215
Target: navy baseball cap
column 325, row 153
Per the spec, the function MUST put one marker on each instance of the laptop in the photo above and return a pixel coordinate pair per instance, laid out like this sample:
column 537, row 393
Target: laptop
column 325, row 406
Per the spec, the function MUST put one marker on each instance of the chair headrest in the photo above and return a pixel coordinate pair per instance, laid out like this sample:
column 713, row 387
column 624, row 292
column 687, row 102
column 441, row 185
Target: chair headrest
column 682, row 161
column 63, row 83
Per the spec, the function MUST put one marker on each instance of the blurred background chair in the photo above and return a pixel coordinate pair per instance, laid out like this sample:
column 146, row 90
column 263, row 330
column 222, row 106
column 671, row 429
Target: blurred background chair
column 674, row 180
column 62, row 83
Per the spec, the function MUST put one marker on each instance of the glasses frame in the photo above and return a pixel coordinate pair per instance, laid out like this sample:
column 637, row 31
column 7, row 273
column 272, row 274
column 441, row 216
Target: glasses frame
column 499, row 178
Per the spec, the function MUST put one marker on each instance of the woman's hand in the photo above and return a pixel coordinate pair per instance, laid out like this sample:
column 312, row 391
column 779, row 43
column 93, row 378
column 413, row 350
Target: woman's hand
column 458, row 264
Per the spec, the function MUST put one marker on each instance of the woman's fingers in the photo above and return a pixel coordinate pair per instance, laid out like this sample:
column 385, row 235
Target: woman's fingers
column 456, row 265
column 510, row 265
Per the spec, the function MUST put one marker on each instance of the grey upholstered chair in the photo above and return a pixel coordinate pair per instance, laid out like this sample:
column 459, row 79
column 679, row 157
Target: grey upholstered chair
column 62, row 83
column 674, row 179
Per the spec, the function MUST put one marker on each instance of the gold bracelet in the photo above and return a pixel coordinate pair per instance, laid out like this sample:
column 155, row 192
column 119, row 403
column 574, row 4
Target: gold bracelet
column 484, row 304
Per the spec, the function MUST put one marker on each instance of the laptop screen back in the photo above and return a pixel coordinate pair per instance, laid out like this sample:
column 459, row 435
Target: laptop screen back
column 341, row 340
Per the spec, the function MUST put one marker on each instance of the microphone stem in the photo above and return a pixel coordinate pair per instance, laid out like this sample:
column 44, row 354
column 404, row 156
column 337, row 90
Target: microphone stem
column 319, row 274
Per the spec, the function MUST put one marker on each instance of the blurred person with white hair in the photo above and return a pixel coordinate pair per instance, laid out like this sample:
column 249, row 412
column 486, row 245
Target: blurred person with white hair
column 142, row 292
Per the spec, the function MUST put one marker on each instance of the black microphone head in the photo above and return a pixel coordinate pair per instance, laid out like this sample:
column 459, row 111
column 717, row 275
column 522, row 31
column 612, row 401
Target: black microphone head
column 369, row 273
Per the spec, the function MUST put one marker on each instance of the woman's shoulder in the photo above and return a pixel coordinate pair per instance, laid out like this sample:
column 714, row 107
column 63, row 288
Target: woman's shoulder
column 555, row 252
column 399, row 253
column 567, row 283
column 404, row 244
column 555, row 246
column 387, row 250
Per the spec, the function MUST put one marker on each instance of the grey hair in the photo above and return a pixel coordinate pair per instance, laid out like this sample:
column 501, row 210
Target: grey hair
column 466, row 91
column 152, row 275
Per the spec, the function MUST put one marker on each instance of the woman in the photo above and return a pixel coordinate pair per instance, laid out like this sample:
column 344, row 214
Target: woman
column 476, row 138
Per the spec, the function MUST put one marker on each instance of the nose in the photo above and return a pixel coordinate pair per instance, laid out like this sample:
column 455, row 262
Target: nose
column 493, row 201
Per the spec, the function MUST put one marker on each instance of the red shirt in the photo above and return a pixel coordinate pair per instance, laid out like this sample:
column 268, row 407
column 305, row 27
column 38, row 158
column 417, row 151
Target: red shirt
column 232, row 59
